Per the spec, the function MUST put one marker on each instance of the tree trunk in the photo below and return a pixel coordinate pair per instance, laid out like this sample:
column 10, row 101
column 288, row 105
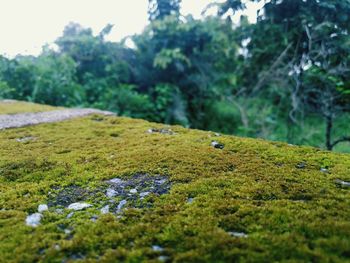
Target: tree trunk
column 329, row 126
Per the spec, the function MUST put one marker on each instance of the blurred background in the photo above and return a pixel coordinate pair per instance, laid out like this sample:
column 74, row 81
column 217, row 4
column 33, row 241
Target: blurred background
column 278, row 69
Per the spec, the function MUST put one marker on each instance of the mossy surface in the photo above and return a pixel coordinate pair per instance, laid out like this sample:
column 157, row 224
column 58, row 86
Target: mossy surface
column 12, row 107
column 251, row 201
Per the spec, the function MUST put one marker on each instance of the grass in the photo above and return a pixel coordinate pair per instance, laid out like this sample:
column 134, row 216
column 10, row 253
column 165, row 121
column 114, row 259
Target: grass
column 276, row 194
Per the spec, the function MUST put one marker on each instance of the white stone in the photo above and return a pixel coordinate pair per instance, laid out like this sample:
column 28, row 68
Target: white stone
column 33, row 219
column 25, row 139
column 157, row 248
column 133, row 191
column 42, row 208
column 238, row 234
column 116, row 181
column 111, row 192
column 343, row 183
column 105, row 209
column 94, row 218
column 78, row 206
column 120, row 205
column 70, row 215
column 160, row 181
column 143, row 194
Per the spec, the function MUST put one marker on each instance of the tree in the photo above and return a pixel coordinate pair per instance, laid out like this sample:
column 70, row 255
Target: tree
column 100, row 64
column 159, row 9
column 296, row 44
column 55, row 80
column 194, row 58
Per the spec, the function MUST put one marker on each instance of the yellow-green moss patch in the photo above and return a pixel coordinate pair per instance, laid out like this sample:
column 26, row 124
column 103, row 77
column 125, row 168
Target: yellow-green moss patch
column 282, row 200
column 12, row 107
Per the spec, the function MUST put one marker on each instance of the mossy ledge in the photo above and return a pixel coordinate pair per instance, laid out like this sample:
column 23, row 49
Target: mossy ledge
column 222, row 199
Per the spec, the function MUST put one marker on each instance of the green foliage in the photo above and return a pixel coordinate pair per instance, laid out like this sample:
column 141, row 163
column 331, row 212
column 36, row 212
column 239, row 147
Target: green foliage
column 169, row 105
column 159, row 9
column 168, row 56
column 222, row 117
column 55, row 81
column 279, row 78
column 5, row 90
column 126, row 101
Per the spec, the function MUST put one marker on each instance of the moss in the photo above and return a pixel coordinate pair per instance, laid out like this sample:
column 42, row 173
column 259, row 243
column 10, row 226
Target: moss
column 275, row 193
column 12, row 107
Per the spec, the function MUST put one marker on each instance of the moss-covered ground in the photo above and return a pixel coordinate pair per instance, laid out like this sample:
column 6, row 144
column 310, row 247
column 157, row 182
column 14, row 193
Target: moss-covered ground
column 252, row 201
column 12, row 107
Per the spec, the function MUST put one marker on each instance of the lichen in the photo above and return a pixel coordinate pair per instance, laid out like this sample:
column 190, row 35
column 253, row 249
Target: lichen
column 250, row 201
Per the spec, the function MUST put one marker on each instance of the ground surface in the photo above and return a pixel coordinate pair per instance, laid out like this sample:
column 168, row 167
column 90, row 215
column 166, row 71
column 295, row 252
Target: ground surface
column 33, row 118
column 116, row 189
column 12, row 106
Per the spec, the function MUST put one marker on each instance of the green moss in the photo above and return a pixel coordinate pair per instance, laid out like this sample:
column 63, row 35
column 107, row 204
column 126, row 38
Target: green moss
column 12, row 107
column 290, row 212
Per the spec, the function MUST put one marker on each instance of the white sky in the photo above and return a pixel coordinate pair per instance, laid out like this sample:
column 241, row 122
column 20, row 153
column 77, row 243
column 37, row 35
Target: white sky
column 26, row 25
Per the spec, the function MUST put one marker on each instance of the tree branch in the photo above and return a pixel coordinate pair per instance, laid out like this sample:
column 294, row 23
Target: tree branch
column 342, row 139
column 271, row 70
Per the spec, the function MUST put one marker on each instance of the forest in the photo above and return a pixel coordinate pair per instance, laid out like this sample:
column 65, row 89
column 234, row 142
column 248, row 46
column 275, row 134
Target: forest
column 284, row 78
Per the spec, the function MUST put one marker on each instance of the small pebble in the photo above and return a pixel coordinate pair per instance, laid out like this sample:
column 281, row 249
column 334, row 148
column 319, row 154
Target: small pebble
column 25, row 139
column 143, row 194
column 342, row 183
column 70, row 215
column 120, row 205
column 105, row 209
column 33, row 219
column 94, row 218
column 133, row 191
column 324, row 170
column 162, row 131
column 111, row 192
column 78, row 206
column 160, row 181
column 217, row 145
column 116, row 181
column 238, row 234
column 157, row 248
column 42, row 208
column 301, row 165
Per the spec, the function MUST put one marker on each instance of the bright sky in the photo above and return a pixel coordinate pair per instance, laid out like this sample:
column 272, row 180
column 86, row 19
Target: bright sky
column 27, row 25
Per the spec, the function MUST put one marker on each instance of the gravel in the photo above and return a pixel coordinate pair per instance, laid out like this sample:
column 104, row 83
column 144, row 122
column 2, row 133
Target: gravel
column 29, row 118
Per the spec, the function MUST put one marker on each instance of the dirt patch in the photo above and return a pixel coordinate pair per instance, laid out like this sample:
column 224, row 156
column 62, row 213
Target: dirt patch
column 68, row 195
column 117, row 193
